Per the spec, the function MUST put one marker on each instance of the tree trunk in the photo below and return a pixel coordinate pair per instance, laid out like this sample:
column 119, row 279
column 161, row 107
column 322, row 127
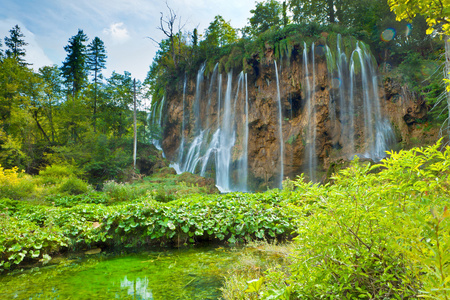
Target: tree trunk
column 35, row 117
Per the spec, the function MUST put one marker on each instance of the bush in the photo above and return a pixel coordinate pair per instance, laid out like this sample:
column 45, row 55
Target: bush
column 121, row 191
column 56, row 173
column 73, row 186
column 371, row 235
column 15, row 185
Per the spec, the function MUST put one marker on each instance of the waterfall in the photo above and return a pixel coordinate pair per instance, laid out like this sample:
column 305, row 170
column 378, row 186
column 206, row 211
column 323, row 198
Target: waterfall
column 198, row 96
column 155, row 120
column 217, row 142
column 226, row 141
column 311, row 110
column 357, row 86
column 244, row 168
column 280, row 128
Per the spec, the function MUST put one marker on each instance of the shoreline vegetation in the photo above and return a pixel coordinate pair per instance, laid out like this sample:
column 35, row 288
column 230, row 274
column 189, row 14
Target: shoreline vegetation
column 377, row 231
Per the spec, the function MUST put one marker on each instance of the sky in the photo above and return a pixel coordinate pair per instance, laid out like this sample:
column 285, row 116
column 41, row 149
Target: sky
column 123, row 25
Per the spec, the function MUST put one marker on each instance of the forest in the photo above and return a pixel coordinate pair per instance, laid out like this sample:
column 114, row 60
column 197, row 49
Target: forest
column 368, row 229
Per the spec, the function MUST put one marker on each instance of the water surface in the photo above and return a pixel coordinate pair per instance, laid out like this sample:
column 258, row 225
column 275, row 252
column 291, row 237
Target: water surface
column 195, row 273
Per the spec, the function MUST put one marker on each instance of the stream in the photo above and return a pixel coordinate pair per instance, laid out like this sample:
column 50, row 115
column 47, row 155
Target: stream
column 187, row 273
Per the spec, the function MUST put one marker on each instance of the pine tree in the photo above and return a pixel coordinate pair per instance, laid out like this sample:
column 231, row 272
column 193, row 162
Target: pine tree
column 15, row 44
column 96, row 63
column 74, row 68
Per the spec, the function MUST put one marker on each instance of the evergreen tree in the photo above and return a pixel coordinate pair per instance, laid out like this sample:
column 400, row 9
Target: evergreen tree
column 15, row 44
column 96, row 63
column 74, row 68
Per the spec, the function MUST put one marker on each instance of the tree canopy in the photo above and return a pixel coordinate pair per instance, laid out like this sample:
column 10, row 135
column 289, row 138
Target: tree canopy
column 266, row 14
column 16, row 44
column 219, row 33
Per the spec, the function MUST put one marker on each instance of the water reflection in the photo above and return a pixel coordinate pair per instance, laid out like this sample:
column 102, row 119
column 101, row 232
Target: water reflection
column 137, row 288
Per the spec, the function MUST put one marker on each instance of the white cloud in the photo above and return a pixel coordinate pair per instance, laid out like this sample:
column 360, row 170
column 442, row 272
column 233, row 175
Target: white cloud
column 117, row 32
column 34, row 53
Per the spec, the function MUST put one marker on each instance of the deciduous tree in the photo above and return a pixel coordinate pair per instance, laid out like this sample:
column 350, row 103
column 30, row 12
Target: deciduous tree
column 437, row 15
column 219, row 33
column 265, row 15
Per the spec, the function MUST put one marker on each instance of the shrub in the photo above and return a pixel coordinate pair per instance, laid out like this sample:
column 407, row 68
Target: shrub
column 121, row 191
column 373, row 236
column 15, row 185
column 56, row 173
column 73, row 186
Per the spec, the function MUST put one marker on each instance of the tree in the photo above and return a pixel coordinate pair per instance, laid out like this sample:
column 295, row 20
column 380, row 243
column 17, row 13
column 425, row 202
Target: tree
column 321, row 11
column 96, row 63
column 331, row 11
column 265, row 15
column 74, row 68
column 167, row 26
column 195, row 38
column 52, row 94
column 284, row 14
column 219, row 33
column 15, row 44
column 437, row 15
column 116, row 114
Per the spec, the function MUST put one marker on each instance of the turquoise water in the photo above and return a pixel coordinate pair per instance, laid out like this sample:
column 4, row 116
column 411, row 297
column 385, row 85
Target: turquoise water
column 168, row 274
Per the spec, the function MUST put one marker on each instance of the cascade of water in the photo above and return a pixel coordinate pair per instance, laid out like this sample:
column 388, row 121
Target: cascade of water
column 226, row 141
column 341, row 84
column 377, row 130
column 198, row 95
column 193, row 156
column 280, row 128
column 156, row 123
column 351, row 106
column 310, row 98
column 244, row 168
column 384, row 133
column 212, row 148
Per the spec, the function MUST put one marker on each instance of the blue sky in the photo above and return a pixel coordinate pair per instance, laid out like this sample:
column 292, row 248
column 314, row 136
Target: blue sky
column 123, row 25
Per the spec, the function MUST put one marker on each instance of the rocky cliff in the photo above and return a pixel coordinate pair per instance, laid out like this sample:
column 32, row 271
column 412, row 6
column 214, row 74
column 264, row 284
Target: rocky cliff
column 332, row 102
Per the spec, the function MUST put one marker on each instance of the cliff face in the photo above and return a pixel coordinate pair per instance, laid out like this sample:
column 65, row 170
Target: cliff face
column 332, row 108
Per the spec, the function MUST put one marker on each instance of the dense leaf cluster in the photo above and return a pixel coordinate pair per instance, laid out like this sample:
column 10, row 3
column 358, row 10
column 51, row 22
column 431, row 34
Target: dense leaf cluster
column 232, row 218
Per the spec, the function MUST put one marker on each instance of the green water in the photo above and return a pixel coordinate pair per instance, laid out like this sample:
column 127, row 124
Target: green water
column 167, row 274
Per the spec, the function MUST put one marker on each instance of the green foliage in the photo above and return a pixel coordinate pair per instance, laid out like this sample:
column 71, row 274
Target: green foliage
column 122, row 192
column 56, row 173
column 219, row 33
column 231, row 218
column 73, row 186
column 15, row 44
column 22, row 240
column 74, row 69
column 266, row 14
column 15, row 185
column 260, row 272
column 372, row 235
